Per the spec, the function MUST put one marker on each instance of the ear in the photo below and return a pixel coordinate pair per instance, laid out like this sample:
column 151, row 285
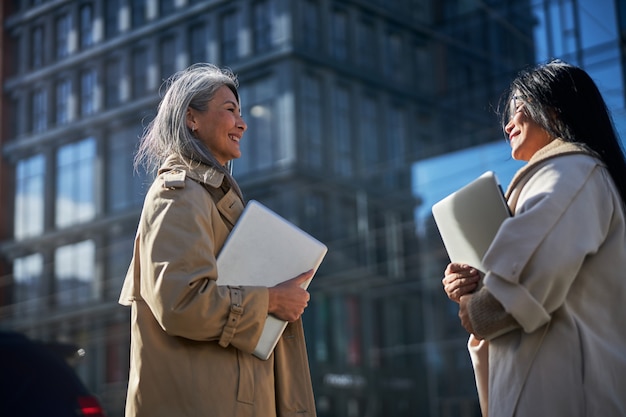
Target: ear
column 191, row 120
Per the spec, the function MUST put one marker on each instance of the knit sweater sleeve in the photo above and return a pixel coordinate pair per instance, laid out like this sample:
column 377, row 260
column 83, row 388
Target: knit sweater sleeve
column 488, row 317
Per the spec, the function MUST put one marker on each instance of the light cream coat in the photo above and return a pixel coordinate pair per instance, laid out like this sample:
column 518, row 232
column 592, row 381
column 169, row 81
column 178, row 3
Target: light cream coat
column 191, row 339
column 559, row 267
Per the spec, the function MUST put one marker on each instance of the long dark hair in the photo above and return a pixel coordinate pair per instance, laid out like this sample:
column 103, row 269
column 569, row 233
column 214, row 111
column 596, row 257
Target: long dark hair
column 565, row 101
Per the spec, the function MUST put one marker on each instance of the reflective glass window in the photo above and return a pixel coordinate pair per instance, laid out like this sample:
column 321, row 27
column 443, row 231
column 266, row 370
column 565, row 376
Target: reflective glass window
column 395, row 172
column 166, row 7
column 369, row 135
column 198, row 39
column 112, row 18
column 138, row 12
column 36, row 47
column 88, row 86
column 74, row 271
column 339, row 35
column 27, row 278
column 63, row 97
column 342, row 142
column 366, row 44
column 113, row 80
column 29, row 197
column 125, row 186
column 312, row 123
column 262, row 25
column 63, row 28
column 230, row 37
column 262, row 146
column 40, row 110
column 167, row 50
column 86, row 25
column 75, row 199
column 139, row 84
column 311, row 25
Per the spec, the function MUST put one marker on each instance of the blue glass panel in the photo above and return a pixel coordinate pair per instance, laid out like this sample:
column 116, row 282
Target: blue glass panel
column 75, row 201
column 29, row 195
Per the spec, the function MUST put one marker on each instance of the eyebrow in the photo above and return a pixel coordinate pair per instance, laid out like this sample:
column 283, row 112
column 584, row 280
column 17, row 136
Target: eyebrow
column 229, row 101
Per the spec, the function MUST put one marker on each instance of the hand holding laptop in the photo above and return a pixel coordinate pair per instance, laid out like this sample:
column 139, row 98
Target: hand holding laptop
column 288, row 299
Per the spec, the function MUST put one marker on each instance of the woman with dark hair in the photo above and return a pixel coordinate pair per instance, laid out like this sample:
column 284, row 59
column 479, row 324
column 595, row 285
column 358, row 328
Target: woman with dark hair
column 547, row 336
column 191, row 339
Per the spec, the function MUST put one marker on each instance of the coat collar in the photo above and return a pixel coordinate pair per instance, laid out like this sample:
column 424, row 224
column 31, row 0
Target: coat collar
column 195, row 170
column 558, row 147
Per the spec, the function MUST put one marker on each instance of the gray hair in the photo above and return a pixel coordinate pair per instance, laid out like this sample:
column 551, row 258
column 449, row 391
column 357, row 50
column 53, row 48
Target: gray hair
column 168, row 134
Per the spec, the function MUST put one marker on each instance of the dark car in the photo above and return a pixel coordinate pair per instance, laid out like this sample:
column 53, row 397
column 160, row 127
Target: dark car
column 36, row 380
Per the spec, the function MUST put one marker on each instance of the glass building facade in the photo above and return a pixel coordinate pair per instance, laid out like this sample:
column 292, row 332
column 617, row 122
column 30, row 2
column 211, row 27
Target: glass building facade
column 360, row 115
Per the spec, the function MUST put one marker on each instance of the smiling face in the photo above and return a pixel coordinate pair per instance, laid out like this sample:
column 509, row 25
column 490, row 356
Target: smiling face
column 525, row 135
column 220, row 127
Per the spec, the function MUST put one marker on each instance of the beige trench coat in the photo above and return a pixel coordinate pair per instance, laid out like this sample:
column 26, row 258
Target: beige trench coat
column 191, row 340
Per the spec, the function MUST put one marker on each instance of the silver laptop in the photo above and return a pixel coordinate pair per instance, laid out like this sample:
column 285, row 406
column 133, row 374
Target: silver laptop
column 264, row 249
column 469, row 219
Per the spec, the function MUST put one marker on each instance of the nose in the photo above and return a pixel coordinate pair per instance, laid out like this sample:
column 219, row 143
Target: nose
column 241, row 124
column 508, row 127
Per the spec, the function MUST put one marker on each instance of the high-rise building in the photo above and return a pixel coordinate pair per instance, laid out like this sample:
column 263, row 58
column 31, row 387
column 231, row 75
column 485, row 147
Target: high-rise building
column 341, row 98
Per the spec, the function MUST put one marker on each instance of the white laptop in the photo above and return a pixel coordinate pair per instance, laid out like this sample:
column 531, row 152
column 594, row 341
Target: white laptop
column 264, row 249
column 469, row 219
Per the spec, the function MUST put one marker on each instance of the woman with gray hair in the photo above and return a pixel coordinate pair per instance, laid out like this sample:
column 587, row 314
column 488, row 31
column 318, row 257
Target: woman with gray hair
column 191, row 339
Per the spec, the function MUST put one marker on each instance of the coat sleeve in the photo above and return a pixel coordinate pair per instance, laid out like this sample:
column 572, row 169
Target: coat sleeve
column 563, row 216
column 176, row 246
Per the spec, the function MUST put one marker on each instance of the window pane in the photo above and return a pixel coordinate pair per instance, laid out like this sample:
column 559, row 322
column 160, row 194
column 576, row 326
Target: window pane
column 140, row 63
column 113, row 83
column 312, row 107
column 36, row 48
column 86, row 26
column 74, row 271
column 198, row 39
column 262, row 147
column 75, row 201
column 63, row 27
column 230, row 37
column 262, row 25
column 27, row 272
column 111, row 23
column 63, row 97
column 342, row 142
column 168, row 57
column 125, row 187
column 88, row 85
column 366, row 42
column 394, row 58
column 138, row 12
column 339, row 33
column 369, row 136
column 29, row 197
column 310, row 25
column 119, row 252
column 394, row 173
column 166, row 7
column 40, row 110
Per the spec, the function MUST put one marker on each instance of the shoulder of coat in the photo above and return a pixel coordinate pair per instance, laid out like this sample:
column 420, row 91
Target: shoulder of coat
column 174, row 179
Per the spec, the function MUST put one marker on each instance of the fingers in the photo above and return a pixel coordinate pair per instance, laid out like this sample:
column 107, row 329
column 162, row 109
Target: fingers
column 304, row 277
column 460, row 279
column 457, row 267
column 288, row 299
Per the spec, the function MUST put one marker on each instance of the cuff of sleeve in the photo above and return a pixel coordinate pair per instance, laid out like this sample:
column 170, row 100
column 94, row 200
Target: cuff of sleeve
column 488, row 317
column 236, row 310
column 518, row 302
